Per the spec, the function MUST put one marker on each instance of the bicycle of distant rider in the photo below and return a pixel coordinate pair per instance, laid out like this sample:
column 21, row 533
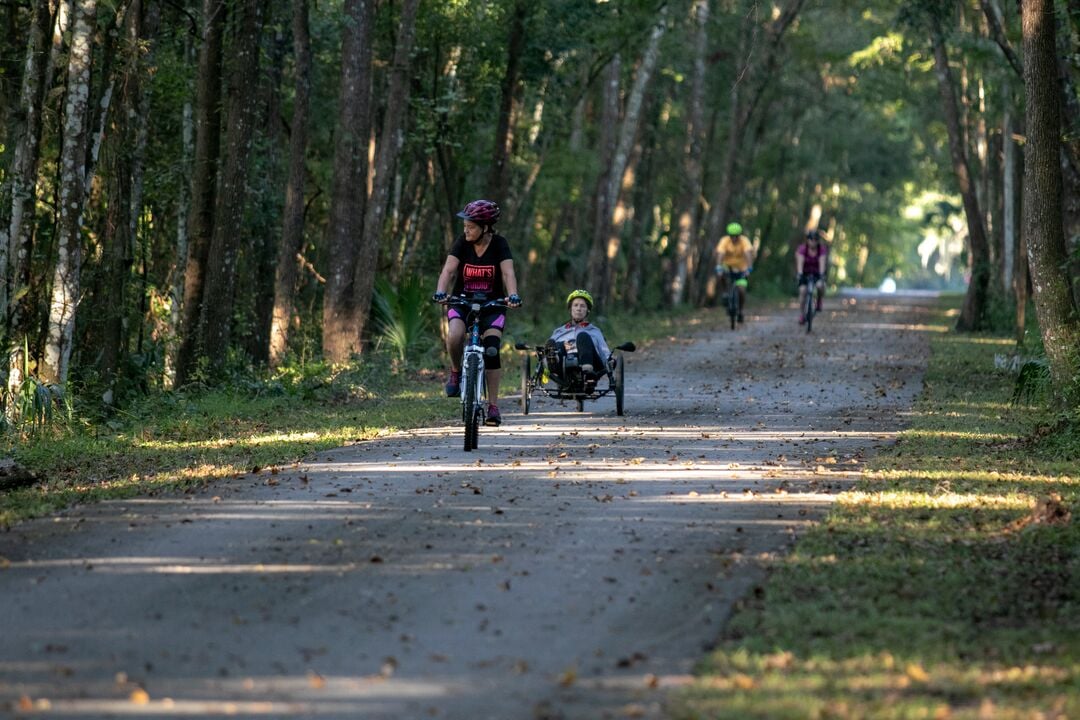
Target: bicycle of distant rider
column 473, row 380
column 809, row 307
column 735, row 280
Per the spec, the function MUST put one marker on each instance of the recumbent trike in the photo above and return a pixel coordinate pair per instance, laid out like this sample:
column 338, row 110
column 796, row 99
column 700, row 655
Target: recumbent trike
column 570, row 382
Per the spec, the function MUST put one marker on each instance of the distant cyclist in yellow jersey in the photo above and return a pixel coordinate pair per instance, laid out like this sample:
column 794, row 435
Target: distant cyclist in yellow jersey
column 735, row 259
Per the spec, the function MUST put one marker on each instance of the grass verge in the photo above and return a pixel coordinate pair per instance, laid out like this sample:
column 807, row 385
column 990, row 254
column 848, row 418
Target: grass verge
column 946, row 585
column 172, row 441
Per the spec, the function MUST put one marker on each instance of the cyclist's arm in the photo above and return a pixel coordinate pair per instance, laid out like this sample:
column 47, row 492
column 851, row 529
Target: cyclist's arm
column 822, row 263
column 508, row 276
column 800, row 260
column 448, row 274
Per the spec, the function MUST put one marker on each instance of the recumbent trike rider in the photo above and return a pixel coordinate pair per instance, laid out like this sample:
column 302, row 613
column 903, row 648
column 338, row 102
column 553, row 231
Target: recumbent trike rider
column 571, row 364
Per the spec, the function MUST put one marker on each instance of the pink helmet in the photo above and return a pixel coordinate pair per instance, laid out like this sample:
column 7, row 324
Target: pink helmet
column 481, row 212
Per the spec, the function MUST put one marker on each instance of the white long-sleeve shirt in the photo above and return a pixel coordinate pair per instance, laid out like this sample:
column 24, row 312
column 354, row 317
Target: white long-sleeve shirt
column 570, row 331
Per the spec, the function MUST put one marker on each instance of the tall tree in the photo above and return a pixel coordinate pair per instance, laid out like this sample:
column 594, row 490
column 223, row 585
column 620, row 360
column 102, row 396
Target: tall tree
column 66, row 276
column 125, row 189
column 974, row 307
column 341, row 321
column 21, row 177
column 389, row 146
column 215, row 321
column 689, row 201
column 292, row 225
column 203, row 182
column 1059, row 320
column 498, row 172
column 605, row 242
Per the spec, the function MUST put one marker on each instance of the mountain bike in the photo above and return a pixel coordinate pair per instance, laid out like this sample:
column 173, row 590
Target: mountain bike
column 473, row 382
column 735, row 280
column 810, row 302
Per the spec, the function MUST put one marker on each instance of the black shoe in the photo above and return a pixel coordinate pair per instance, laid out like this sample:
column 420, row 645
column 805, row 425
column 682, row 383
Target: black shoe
column 739, row 318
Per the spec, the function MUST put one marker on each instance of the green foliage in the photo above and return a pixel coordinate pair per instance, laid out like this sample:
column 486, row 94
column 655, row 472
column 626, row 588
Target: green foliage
column 402, row 316
column 32, row 405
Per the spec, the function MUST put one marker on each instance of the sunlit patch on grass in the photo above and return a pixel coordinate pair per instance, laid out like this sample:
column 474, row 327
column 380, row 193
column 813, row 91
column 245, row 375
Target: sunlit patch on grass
column 975, row 435
column 981, row 476
column 230, row 442
column 944, row 500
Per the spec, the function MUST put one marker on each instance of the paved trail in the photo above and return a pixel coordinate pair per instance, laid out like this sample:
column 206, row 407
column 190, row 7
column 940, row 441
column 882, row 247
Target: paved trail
column 576, row 567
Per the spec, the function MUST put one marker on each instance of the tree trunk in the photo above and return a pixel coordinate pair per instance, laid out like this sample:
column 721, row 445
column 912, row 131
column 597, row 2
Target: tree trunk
column 1070, row 132
column 391, row 140
column 974, row 307
column 203, row 183
column 1043, row 230
column 348, row 202
column 1008, row 197
column 689, row 203
column 183, row 210
column 215, row 321
column 605, row 245
column 65, row 292
column 499, row 172
column 259, row 266
column 19, row 185
column 292, row 225
column 128, row 147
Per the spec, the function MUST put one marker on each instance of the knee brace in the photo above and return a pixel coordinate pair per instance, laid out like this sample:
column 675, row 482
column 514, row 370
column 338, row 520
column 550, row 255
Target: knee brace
column 491, row 352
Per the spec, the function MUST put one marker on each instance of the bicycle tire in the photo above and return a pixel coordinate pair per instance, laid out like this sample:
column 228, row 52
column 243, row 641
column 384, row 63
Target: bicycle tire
column 733, row 304
column 478, row 420
column 526, row 374
column 620, row 374
column 470, row 399
column 809, row 309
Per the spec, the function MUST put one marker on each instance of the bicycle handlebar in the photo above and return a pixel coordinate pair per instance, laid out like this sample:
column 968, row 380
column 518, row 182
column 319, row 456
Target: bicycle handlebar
column 465, row 302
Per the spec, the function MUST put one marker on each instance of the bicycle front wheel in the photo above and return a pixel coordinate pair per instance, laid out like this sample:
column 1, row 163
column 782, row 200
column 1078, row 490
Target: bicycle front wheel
column 471, row 394
column 733, row 304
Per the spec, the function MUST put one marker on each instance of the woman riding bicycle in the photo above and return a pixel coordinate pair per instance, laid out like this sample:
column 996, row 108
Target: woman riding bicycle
column 810, row 263
column 735, row 254
column 480, row 261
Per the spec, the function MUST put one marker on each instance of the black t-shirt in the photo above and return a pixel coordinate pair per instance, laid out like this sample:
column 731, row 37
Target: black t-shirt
column 481, row 274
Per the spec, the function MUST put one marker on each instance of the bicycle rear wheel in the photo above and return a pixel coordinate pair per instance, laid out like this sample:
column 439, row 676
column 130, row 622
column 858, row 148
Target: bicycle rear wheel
column 526, row 374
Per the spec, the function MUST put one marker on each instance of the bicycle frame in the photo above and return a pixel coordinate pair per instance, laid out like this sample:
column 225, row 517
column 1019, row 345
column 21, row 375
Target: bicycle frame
column 472, row 368
column 473, row 375
column 809, row 302
column 734, row 301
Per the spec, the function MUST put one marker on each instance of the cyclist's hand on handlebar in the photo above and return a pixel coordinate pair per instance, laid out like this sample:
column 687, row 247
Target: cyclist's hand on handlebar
column 440, row 297
column 514, row 300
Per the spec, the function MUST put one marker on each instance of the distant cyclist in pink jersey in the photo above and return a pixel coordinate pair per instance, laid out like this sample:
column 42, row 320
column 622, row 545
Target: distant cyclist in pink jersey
column 811, row 260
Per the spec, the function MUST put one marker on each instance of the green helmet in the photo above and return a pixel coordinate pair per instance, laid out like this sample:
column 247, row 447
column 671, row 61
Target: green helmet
column 734, row 229
column 583, row 294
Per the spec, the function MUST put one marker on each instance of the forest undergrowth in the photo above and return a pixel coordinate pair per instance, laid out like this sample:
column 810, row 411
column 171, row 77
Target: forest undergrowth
column 168, row 441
